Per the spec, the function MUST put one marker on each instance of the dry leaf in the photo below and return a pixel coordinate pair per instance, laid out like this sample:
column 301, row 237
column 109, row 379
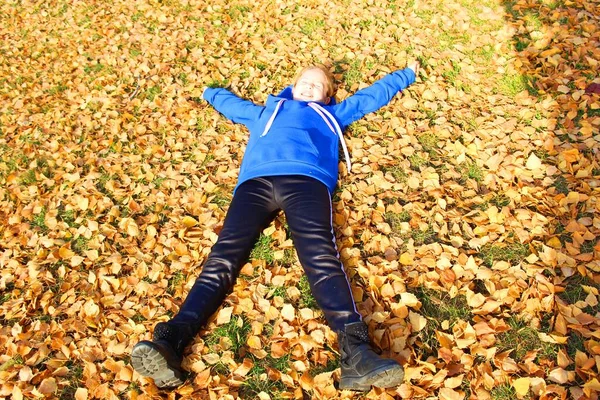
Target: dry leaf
column 521, row 386
column 115, row 180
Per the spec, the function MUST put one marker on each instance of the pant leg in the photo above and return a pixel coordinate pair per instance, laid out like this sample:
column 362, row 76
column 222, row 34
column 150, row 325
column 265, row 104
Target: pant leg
column 251, row 210
column 307, row 206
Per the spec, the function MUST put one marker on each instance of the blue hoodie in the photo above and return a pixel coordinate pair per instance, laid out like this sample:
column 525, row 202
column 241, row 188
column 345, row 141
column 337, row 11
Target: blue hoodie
column 293, row 137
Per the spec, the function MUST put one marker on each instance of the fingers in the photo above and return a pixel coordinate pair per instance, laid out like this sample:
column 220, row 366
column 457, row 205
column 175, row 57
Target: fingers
column 414, row 65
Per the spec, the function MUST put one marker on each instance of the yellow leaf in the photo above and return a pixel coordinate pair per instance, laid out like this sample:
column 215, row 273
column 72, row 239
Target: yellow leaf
column 410, row 103
column 287, row 312
column 521, row 386
column 224, row 315
column 417, row 321
column 64, row 252
column 188, row 221
column 454, row 382
column 129, row 226
column 76, row 261
column 533, row 162
column 450, row 394
column 591, row 386
column 571, row 155
column 408, row 299
column 254, row 342
column 48, row 386
column 406, row 259
column 559, row 376
column 413, row 182
column 554, row 242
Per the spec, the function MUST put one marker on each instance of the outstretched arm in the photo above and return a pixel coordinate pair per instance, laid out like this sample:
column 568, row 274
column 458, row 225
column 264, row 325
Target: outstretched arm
column 377, row 95
column 236, row 109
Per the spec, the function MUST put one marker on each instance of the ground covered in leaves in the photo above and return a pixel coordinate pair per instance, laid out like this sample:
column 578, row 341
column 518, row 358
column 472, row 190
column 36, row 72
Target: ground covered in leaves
column 469, row 225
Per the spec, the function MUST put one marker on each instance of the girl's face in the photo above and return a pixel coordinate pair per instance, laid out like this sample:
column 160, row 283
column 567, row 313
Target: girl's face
column 311, row 86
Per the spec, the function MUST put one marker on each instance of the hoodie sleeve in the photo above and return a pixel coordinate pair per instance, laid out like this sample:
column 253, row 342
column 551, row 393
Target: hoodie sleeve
column 232, row 107
column 373, row 97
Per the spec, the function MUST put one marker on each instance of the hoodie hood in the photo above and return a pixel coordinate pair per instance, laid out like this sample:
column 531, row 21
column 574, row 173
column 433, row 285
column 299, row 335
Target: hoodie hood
column 328, row 118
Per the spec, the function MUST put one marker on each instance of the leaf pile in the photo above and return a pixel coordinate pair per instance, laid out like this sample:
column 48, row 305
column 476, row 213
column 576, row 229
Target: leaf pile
column 469, row 225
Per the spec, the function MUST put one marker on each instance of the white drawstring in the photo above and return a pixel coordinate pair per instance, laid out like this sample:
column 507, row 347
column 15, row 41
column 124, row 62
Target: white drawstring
column 322, row 112
column 326, row 116
column 270, row 122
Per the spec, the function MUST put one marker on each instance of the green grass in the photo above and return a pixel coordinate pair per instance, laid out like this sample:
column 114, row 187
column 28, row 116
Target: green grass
column 238, row 12
column 218, row 83
column 500, row 200
column 486, row 52
column 532, row 19
column 353, row 74
column 416, row 162
column 312, row 25
column 74, row 378
column 563, row 235
column 93, row 68
column 138, row 318
column 306, row 298
column 332, row 365
column 452, row 74
column 561, row 185
column 220, row 199
column 79, row 245
column 510, row 252
column 397, row 172
column 152, row 92
column 5, row 295
column 471, row 170
column 260, row 383
column 67, row 216
column 262, row 249
column 276, row 291
column 575, row 343
column 289, row 257
column 503, row 392
column 588, row 246
column 429, row 141
column 425, row 236
column 28, row 178
column 135, row 51
column 521, row 339
column 591, row 112
column 236, row 331
column 39, row 221
column 513, row 84
column 101, row 183
column 438, row 306
column 57, row 89
column 425, row 14
column 396, row 219
column 574, row 291
column 447, row 40
column 175, row 282
column 16, row 360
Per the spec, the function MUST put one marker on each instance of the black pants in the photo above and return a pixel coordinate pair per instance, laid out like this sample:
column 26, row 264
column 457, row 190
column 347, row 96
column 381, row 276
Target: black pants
column 307, row 206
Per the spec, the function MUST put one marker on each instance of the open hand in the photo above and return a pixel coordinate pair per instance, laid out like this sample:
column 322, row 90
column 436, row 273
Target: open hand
column 414, row 65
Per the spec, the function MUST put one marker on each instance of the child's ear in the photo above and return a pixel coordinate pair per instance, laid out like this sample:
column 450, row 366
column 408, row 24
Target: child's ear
column 327, row 100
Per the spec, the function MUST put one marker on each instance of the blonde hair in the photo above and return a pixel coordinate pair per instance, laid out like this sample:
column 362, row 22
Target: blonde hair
column 330, row 88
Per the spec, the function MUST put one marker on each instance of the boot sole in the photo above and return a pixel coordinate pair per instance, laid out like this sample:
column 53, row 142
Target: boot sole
column 148, row 361
column 386, row 377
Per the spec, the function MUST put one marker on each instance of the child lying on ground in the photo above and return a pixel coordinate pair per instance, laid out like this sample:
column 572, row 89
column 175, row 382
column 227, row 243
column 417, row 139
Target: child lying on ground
column 290, row 164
